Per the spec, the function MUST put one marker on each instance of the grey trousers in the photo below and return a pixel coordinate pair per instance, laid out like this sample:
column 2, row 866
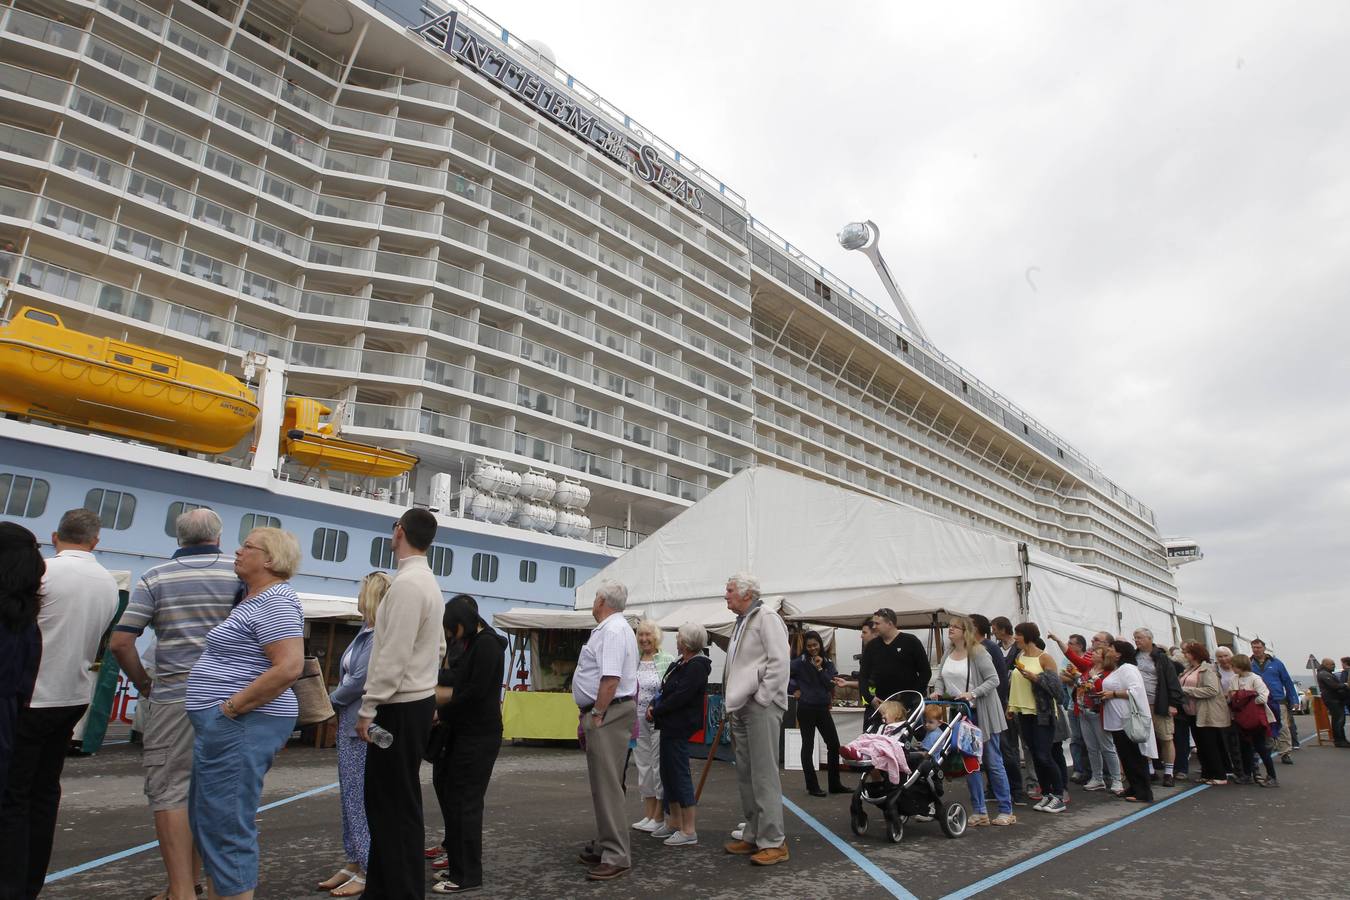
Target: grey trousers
column 606, row 753
column 755, row 730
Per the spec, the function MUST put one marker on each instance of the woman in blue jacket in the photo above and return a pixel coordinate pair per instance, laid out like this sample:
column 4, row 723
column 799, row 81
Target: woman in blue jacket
column 812, row 683
column 350, row 880
column 677, row 715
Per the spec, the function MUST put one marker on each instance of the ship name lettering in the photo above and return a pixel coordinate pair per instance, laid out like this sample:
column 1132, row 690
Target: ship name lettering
column 641, row 159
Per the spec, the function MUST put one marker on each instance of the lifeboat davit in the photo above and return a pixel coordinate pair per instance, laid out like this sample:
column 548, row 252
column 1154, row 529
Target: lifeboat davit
column 313, row 443
column 50, row 372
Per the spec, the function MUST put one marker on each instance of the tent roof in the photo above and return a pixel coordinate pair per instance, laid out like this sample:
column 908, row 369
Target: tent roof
column 523, row 619
column 812, row 543
column 328, row 606
column 911, row 610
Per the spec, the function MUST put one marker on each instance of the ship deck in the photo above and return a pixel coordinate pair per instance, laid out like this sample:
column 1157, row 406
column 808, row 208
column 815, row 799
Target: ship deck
column 1207, row 842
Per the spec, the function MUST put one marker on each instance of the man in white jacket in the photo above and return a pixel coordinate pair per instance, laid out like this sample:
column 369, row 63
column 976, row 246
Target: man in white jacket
column 400, row 697
column 756, row 680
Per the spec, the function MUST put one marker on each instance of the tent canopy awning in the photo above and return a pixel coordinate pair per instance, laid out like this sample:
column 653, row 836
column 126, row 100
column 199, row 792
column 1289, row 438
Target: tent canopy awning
column 524, row 619
column 813, row 543
column 912, row 611
column 320, row 607
column 714, row 615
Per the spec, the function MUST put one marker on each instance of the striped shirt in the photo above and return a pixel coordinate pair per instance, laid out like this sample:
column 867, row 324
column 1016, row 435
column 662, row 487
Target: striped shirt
column 181, row 600
column 234, row 655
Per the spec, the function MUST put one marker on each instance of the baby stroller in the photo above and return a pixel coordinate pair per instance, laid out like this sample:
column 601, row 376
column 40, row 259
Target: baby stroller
column 920, row 794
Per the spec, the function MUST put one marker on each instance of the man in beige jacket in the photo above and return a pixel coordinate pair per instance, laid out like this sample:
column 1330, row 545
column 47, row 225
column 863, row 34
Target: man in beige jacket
column 756, row 680
column 400, row 697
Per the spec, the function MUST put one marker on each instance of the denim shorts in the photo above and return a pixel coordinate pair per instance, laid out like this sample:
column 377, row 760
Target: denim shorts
column 229, row 759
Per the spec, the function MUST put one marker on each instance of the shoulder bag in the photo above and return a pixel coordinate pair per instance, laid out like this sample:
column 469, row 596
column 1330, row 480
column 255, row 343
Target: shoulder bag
column 1139, row 723
column 312, row 694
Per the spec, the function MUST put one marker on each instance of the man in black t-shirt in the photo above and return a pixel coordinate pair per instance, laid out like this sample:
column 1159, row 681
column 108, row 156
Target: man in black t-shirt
column 892, row 661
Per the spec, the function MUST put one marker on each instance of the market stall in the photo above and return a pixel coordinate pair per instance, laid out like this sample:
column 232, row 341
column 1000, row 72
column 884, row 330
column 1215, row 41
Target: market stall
column 544, row 647
column 331, row 622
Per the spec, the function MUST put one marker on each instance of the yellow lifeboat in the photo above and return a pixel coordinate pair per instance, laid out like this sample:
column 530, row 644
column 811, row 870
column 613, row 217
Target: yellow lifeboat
column 50, row 372
column 314, row 444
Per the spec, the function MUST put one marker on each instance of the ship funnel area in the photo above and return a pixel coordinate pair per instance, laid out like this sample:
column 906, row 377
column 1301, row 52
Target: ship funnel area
column 866, row 236
column 531, row 500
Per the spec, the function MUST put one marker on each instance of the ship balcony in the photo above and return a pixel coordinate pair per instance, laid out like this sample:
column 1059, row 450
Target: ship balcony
column 523, row 449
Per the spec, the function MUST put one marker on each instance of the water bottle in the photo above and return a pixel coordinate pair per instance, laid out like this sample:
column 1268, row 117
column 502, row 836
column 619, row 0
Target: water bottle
column 380, row 737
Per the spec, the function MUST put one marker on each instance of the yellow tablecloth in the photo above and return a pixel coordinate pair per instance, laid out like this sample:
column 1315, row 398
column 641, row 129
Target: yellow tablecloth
column 539, row 714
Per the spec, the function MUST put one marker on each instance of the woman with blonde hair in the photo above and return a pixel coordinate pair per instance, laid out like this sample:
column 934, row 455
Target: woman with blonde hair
column 350, row 880
column 242, row 709
column 652, row 664
column 968, row 673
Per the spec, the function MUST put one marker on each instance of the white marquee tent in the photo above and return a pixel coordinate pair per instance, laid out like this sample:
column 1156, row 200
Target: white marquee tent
column 834, row 555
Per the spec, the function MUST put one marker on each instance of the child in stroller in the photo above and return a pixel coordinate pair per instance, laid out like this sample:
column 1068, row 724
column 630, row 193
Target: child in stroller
column 910, row 748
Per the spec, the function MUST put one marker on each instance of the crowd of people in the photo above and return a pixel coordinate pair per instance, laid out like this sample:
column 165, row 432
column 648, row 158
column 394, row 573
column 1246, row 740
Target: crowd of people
column 421, row 680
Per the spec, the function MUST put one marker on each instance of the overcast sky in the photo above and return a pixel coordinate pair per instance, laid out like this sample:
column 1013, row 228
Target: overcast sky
column 1131, row 219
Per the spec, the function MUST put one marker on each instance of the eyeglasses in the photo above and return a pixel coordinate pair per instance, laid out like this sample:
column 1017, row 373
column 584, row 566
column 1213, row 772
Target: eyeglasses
column 247, row 546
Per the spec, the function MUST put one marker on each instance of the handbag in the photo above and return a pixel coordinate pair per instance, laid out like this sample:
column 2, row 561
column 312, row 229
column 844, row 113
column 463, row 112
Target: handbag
column 1249, row 714
column 438, row 739
column 312, row 694
column 1138, row 724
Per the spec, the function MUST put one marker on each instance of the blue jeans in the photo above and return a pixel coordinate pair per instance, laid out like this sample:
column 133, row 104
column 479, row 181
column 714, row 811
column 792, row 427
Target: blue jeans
column 230, row 757
column 998, row 780
column 676, row 784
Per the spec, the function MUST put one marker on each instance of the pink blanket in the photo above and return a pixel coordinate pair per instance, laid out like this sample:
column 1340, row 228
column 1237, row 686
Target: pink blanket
column 886, row 753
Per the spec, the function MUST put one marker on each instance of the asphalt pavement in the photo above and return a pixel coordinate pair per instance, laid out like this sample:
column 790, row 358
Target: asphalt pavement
column 1194, row 842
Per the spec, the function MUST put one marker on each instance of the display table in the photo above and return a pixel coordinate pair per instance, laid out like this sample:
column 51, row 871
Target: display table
column 540, row 715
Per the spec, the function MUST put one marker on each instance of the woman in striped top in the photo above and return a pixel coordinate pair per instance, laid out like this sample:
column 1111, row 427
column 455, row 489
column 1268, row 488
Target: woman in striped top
column 242, row 708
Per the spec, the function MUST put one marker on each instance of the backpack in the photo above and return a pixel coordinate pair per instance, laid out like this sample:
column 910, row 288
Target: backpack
column 1249, row 714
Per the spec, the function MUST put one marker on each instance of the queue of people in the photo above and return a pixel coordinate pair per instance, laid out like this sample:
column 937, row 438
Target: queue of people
column 422, row 678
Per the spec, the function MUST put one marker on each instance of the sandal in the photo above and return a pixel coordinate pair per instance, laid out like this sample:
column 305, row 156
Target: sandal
column 354, row 887
column 340, row 877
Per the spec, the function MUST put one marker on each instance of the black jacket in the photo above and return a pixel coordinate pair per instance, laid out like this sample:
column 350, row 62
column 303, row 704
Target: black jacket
column 1169, row 685
column 678, row 710
column 901, row 665
column 475, row 708
column 1332, row 690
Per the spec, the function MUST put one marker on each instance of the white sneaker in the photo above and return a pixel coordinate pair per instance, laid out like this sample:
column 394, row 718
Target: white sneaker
column 1096, row 784
column 1055, row 805
column 680, row 839
column 662, row 831
column 738, row 833
column 645, row 824
column 1045, row 801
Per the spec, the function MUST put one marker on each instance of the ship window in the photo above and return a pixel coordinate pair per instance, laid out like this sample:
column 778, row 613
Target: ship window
column 330, row 545
column 529, row 571
column 115, row 508
column 251, row 521
column 23, row 497
column 123, row 359
column 567, row 577
column 484, row 567
column 382, row 553
column 38, row 315
column 441, row 559
column 160, row 368
column 176, row 509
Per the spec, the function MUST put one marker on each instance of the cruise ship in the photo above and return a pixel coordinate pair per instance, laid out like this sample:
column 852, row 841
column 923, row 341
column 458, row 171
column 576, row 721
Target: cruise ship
column 472, row 262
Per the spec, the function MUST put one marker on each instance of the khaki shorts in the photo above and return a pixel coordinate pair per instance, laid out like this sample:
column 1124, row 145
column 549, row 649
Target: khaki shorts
column 166, row 754
column 1163, row 727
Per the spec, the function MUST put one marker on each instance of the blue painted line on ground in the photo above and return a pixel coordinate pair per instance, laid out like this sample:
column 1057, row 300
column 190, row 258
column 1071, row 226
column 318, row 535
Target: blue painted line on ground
column 886, row 882
column 141, row 848
column 1040, row 859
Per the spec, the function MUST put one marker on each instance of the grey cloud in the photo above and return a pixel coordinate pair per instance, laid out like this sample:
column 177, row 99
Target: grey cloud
column 1175, row 173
